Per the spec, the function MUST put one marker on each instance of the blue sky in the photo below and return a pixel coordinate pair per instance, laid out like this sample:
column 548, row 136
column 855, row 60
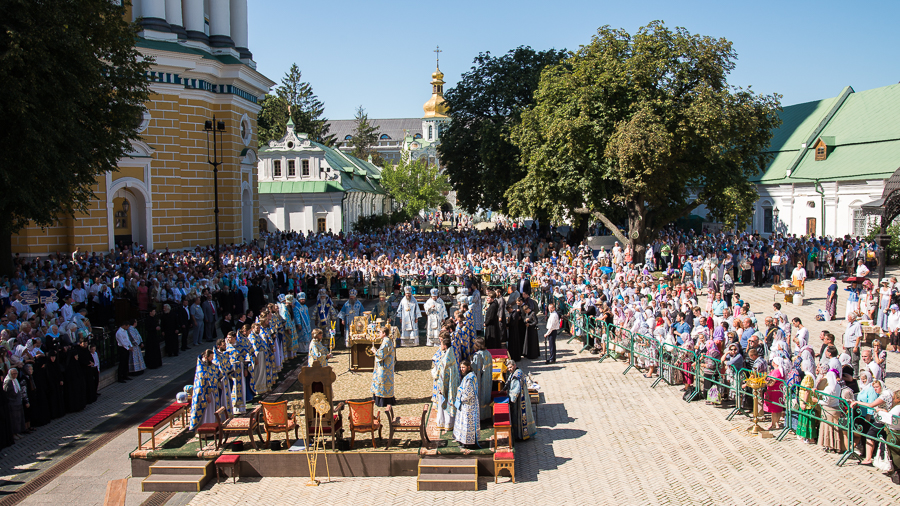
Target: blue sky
column 380, row 54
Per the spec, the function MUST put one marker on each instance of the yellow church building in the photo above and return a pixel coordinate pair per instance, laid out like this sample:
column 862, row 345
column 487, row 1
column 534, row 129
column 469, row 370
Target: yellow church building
column 162, row 195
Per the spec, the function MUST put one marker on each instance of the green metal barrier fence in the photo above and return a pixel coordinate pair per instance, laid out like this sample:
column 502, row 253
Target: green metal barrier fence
column 853, row 425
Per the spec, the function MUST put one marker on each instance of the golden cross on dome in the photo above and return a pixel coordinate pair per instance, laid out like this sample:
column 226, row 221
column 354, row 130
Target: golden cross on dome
column 438, row 52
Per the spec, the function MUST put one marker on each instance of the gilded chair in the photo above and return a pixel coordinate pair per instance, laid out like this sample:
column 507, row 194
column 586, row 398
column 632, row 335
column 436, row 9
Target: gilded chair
column 362, row 420
column 276, row 419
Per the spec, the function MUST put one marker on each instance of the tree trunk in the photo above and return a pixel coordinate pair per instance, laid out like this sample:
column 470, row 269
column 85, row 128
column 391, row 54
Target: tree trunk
column 578, row 229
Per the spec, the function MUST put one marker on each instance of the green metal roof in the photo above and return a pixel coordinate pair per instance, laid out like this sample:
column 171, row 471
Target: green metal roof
column 861, row 131
column 300, row 187
column 174, row 47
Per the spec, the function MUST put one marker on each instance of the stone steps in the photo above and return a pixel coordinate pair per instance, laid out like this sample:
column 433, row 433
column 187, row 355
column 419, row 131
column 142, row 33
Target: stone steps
column 178, row 476
column 447, row 473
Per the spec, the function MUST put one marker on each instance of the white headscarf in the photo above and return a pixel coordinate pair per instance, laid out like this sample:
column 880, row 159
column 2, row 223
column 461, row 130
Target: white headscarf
column 9, row 379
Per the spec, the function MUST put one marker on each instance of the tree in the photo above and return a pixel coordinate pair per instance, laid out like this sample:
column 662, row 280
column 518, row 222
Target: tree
column 74, row 90
column 272, row 118
column 365, row 137
column 305, row 108
column 476, row 151
column 642, row 130
column 415, row 184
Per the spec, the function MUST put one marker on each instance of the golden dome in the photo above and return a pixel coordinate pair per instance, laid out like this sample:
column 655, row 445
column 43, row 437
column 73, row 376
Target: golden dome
column 435, row 107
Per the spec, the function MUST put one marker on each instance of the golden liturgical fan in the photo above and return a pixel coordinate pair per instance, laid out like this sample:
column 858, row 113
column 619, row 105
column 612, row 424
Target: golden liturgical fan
column 319, row 403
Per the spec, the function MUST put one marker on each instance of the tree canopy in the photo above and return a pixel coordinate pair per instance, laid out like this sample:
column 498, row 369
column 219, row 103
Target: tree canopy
column 415, row 184
column 475, row 150
column 642, row 130
column 74, row 89
column 306, row 110
column 365, row 138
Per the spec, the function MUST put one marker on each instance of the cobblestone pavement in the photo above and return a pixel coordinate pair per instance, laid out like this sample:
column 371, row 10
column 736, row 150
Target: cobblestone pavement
column 608, row 438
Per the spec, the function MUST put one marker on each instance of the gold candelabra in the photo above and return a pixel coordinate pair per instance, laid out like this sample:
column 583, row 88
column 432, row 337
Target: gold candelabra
column 757, row 382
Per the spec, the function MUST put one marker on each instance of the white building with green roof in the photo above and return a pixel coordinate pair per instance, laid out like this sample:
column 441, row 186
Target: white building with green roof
column 305, row 186
column 831, row 157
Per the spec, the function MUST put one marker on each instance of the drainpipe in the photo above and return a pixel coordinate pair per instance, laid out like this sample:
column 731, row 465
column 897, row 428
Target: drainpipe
column 821, row 192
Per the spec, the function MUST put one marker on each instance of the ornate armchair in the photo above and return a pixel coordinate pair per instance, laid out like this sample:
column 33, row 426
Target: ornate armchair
column 244, row 426
column 276, row 419
column 362, row 420
column 407, row 424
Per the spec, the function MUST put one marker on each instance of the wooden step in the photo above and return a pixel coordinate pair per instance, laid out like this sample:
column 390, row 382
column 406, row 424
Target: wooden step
column 182, row 467
column 446, row 482
column 448, row 465
column 174, row 483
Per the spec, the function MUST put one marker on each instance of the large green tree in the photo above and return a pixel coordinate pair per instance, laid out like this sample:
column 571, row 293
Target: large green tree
column 415, row 184
column 642, row 130
column 296, row 96
column 74, row 88
column 475, row 150
column 365, row 138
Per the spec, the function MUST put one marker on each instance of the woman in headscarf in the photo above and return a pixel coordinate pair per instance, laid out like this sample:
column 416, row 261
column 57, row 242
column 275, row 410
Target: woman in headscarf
column 884, row 400
column 16, row 402
column 36, row 387
column 774, row 396
column 74, row 374
column 830, row 436
column 831, row 298
column 807, row 429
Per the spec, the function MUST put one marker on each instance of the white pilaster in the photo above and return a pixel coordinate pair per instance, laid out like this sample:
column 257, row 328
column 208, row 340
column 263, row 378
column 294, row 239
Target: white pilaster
column 153, row 14
column 192, row 15
column 239, row 28
column 220, row 23
column 175, row 17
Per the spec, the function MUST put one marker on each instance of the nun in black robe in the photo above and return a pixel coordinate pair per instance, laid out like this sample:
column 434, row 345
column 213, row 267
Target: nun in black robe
column 74, row 381
column 152, row 328
column 516, row 329
column 56, row 403
column 36, row 386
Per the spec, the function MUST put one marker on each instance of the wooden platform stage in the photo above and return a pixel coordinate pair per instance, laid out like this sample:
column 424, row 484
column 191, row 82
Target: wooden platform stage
column 342, row 464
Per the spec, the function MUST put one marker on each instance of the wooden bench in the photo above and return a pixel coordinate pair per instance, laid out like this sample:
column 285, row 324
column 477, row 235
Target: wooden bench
column 166, row 416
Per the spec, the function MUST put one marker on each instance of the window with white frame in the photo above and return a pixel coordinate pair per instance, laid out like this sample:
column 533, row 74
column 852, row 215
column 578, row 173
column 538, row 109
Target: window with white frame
column 768, row 220
column 292, row 168
column 304, row 167
column 860, row 227
column 276, row 172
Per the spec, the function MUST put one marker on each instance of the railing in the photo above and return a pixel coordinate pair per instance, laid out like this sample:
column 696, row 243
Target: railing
column 800, row 405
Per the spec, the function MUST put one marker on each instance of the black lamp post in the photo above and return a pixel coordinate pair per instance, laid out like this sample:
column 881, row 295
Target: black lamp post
column 215, row 161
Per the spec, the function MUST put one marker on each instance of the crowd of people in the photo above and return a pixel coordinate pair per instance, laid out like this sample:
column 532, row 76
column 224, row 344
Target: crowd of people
column 255, row 314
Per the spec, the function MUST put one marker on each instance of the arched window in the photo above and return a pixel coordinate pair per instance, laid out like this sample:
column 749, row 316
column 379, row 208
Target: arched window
column 348, row 138
column 385, row 137
column 417, row 136
column 430, row 132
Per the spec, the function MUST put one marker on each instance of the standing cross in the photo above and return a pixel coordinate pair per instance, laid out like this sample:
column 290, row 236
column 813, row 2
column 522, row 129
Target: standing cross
column 438, row 52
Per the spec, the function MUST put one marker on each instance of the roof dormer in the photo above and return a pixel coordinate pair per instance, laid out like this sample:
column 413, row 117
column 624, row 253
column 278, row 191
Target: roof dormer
column 823, row 146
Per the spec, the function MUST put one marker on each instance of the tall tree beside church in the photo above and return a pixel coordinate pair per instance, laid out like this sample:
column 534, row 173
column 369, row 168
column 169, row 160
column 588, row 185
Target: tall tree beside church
column 476, row 151
column 646, row 126
column 365, row 138
column 306, row 110
column 74, row 88
column 415, row 184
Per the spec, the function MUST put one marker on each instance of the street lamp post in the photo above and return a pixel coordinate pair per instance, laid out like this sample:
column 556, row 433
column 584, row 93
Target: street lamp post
column 213, row 128
column 775, row 225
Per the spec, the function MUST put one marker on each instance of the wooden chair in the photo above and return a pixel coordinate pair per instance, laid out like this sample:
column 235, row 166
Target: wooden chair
column 276, row 419
column 212, row 429
column 243, row 426
column 407, row 424
column 362, row 420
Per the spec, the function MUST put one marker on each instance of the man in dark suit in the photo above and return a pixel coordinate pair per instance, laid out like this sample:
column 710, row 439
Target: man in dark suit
column 524, row 284
column 184, row 322
column 210, row 317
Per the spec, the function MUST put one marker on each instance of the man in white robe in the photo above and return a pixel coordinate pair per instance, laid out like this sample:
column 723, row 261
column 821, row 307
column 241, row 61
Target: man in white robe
column 409, row 314
column 437, row 313
column 351, row 309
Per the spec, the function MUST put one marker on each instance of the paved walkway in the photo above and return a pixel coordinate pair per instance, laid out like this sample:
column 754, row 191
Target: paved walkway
column 608, row 438
column 604, row 438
